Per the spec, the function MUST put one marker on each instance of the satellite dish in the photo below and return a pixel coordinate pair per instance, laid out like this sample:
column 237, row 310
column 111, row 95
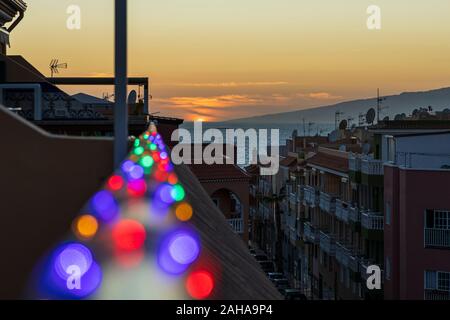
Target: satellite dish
column 343, row 125
column 132, row 97
column 370, row 116
column 386, row 118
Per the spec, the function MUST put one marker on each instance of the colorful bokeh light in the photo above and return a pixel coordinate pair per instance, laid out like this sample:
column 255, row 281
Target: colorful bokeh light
column 184, row 212
column 177, row 251
column 200, row 285
column 104, row 206
column 86, row 227
column 128, row 235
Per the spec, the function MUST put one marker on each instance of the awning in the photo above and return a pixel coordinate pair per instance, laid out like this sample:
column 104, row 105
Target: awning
column 4, row 37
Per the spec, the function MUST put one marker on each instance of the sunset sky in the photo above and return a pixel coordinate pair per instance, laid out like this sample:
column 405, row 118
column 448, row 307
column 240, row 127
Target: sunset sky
column 224, row 59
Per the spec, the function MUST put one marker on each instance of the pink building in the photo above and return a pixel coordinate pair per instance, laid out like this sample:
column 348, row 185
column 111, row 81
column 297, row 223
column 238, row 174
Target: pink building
column 417, row 216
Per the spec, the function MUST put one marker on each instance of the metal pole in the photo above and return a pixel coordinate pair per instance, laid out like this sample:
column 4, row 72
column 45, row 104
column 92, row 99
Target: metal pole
column 146, row 100
column 120, row 108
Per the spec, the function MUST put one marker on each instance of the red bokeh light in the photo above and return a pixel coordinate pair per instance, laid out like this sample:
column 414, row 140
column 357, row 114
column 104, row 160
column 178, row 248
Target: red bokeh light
column 200, row 285
column 172, row 179
column 128, row 235
column 156, row 157
column 115, row 183
column 137, row 188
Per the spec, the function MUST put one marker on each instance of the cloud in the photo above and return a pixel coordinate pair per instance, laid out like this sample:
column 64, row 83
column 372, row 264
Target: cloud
column 229, row 106
column 231, row 84
column 319, row 96
column 213, row 102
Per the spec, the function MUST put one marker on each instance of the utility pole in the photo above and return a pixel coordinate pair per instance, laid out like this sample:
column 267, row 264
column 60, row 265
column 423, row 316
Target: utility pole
column 120, row 82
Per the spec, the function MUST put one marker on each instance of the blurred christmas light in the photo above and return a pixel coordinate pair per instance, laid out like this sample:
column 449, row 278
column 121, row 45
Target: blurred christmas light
column 200, row 285
column 104, row 206
column 128, row 235
column 177, row 251
column 184, row 212
column 86, row 227
column 115, row 183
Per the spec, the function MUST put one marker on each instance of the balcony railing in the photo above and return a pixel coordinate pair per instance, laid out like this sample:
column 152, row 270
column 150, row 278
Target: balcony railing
column 310, row 233
column 342, row 210
column 354, row 163
column 435, row 295
column 353, row 263
column 293, row 198
column 372, row 167
column 300, row 193
column 354, row 214
column 237, row 225
column 343, row 254
column 327, row 243
column 327, row 203
column 311, row 196
column 439, row 238
column 372, row 221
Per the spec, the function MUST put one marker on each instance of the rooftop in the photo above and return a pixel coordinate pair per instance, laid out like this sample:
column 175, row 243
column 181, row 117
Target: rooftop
column 329, row 161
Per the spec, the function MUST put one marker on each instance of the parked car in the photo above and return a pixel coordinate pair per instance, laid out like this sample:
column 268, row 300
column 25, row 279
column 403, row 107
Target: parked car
column 267, row 266
column 294, row 294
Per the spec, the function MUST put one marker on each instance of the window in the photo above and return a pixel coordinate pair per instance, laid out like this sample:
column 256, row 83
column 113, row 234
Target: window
column 388, row 213
column 437, row 219
column 437, row 280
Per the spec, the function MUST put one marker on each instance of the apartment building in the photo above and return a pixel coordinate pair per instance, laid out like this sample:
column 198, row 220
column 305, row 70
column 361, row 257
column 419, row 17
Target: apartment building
column 360, row 201
column 417, row 216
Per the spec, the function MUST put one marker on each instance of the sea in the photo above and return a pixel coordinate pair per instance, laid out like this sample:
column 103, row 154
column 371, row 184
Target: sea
column 285, row 132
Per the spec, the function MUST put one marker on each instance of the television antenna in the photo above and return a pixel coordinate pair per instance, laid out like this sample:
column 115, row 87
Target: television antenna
column 107, row 96
column 55, row 66
column 310, row 124
column 380, row 108
column 337, row 118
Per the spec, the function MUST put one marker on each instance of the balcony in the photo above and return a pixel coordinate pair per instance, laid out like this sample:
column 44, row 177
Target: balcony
column 310, row 233
column 237, row 225
column 293, row 198
column 354, row 163
column 327, row 243
column 436, row 295
column 354, row 214
column 437, row 238
column 311, row 196
column 342, row 212
column 327, row 203
column 372, row 167
column 300, row 193
column 347, row 256
column 372, row 221
column 353, row 263
column 343, row 254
